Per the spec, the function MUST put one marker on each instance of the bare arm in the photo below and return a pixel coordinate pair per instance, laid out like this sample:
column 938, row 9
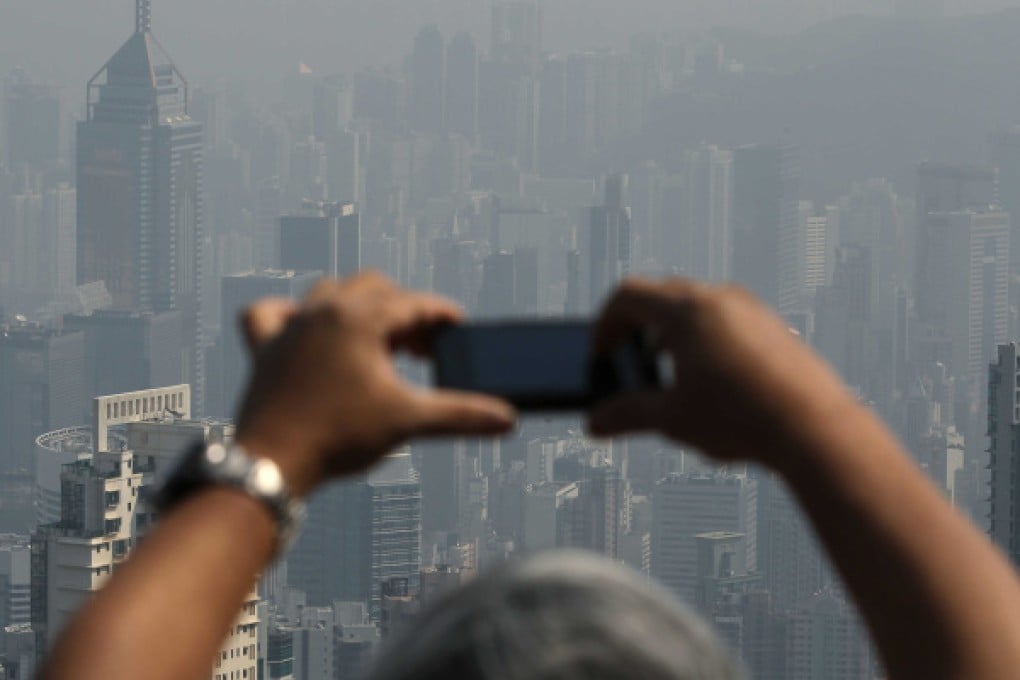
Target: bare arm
column 939, row 599
column 325, row 401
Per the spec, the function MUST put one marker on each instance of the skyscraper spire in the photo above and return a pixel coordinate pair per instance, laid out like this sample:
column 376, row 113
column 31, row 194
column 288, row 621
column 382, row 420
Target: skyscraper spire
column 143, row 16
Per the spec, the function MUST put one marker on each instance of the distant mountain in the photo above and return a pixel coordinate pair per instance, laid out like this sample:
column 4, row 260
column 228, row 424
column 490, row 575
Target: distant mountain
column 861, row 97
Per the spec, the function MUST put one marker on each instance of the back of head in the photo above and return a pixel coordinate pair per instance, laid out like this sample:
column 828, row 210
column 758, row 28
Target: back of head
column 560, row 615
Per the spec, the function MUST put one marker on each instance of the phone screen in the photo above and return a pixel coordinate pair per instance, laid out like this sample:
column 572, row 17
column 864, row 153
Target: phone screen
column 539, row 364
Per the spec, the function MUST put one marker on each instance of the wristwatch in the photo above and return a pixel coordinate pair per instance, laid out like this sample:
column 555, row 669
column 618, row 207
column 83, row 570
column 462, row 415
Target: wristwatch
column 229, row 465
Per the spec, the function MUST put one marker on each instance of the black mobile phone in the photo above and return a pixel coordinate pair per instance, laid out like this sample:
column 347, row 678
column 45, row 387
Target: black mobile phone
column 540, row 365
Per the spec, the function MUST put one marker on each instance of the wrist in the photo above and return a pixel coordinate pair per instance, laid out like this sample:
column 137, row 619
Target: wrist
column 298, row 461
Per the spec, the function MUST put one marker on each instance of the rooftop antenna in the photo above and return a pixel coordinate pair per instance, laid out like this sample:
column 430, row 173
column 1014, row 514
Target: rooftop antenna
column 143, row 16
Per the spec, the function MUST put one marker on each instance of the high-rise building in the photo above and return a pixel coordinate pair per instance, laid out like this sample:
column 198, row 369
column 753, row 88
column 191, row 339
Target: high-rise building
column 359, row 534
column 128, row 351
column 872, row 216
column 1004, row 450
column 945, row 187
column 33, row 123
column 703, row 245
column 105, row 511
column 15, row 582
column 139, row 169
column 516, row 32
column 963, row 287
column 327, row 241
column 605, row 243
column 332, row 106
column 765, row 187
column 462, row 86
column 684, row 506
column 42, row 389
column 238, row 291
column 428, row 76
column 825, row 639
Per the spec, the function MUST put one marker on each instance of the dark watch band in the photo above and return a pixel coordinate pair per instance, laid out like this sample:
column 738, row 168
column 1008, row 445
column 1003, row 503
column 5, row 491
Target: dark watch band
column 205, row 465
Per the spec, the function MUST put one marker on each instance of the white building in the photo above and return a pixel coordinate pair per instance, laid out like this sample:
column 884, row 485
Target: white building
column 104, row 511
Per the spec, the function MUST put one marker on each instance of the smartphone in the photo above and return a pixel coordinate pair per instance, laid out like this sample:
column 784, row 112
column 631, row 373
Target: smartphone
column 540, row 365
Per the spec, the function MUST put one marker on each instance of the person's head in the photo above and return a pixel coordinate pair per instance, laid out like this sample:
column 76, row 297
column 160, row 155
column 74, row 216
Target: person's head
column 560, row 615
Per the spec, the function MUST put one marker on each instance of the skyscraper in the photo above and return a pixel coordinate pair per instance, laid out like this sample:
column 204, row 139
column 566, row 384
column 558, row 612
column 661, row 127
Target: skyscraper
column 139, row 166
column 128, row 351
column 238, row 291
column 963, row 286
column 33, row 123
column 327, row 241
column 706, row 229
column 462, row 86
column 605, row 244
column 765, row 185
column 684, row 506
column 428, row 74
column 360, row 533
column 1004, row 449
column 517, row 32
column 42, row 389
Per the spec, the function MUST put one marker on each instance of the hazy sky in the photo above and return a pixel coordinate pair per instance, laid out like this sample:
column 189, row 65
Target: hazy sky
column 65, row 40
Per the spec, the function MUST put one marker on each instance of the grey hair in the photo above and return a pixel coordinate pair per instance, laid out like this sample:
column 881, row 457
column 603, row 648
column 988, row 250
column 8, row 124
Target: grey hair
column 561, row 615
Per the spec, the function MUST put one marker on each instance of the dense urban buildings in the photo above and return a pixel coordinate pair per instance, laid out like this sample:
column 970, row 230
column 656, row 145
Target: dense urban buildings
column 523, row 174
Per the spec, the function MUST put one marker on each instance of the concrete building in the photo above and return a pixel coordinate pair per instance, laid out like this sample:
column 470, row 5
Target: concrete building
column 15, row 582
column 604, row 242
column 427, row 99
column 1004, row 435
column 360, row 533
column 963, row 287
column 766, row 182
column 229, row 370
column 327, row 240
column 461, row 112
column 704, row 242
column 42, row 388
column 825, row 641
column 32, row 123
column 104, row 511
column 128, row 351
column 684, row 506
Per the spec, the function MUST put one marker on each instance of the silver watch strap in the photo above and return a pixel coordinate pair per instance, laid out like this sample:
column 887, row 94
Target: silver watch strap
column 231, row 465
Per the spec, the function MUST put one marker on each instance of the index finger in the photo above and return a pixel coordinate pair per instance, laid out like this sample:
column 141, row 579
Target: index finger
column 640, row 304
column 409, row 319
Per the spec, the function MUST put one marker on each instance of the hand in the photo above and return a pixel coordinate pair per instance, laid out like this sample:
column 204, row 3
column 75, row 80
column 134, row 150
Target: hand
column 325, row 398
column 743, row 384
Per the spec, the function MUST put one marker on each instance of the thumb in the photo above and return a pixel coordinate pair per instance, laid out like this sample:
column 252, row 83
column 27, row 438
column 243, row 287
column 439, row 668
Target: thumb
column 446, row 413
column 635, row 412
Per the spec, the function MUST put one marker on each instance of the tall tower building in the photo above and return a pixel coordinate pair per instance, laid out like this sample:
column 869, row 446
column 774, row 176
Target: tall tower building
column 1004, row 433
column 605, row 244
column 765, row 244
column 139, row 167
column 705, row 243
column 684, row 506
column 360, row 533
column 239, row 291
column 33, row 123
column 42, row 389
column 963, row 286
column 428, row 75
column 327, row 241
column 517, row 32
column 462, row 86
